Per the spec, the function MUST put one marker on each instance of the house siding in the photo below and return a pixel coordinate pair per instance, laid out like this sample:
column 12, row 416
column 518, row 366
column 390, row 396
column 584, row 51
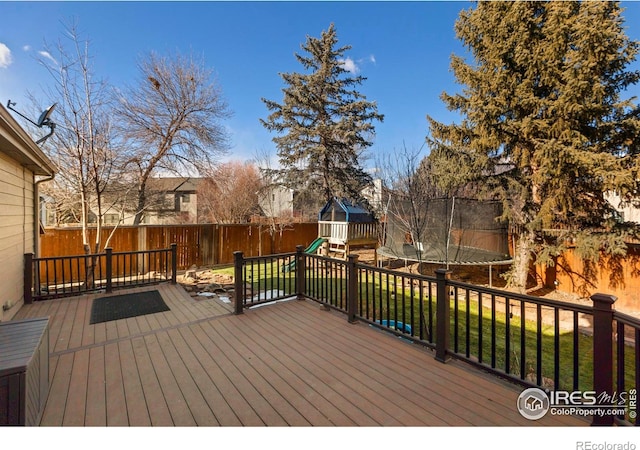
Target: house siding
column 16, row 232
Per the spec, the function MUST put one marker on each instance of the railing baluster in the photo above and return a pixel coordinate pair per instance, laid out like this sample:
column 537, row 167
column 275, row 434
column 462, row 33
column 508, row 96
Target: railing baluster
column 556, row 348
column 55, row 276
column 455, row 319
column 523, row 340
column 538, row 344
column 576, row 351
column 412, row 307
column 507, row 337
column 388, row 301
column 468, row 325
column 395, row 299
column 480, row 334
column 493, row 331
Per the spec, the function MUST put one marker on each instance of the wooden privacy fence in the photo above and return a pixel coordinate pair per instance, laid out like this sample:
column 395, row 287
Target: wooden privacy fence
column 197, row 244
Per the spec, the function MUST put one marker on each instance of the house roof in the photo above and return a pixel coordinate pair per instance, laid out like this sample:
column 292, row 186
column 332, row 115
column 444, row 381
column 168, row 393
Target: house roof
column 18, row 145
column 173, row 184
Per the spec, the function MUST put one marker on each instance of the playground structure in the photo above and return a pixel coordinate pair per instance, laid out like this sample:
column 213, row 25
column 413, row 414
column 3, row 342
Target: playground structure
column 346, row 226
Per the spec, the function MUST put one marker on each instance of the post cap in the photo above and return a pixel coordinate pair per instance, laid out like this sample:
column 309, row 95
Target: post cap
column 603, row 301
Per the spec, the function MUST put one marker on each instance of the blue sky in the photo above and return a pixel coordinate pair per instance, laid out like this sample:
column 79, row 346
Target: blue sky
column 402, row 48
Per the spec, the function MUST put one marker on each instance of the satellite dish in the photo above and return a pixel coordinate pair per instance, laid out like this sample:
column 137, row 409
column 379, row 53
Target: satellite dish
column 42, row 120
column 44, row 117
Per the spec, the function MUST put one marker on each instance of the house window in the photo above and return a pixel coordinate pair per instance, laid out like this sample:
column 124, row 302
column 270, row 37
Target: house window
column 186, row 198
column 111, row 219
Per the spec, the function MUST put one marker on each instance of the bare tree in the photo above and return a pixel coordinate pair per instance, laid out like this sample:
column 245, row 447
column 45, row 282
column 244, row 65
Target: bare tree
column 409, row 194
column 83, row 145
column 270, row 196
column 172, row 120
column 231, row 194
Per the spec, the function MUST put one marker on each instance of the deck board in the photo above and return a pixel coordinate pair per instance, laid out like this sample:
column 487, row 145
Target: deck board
column 379, row 402
column 156, row 404
column 178, row 407
column 137, row 411
column 75, row 411
column 199, row 341
column 201, row 410
column 286, row 364
column 427, row 389
column 96, row 395
column 321, row 366
column 116, row 407
column 224, row 414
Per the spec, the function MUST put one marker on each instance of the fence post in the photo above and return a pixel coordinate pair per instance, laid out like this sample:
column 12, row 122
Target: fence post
column 352, row 288
column 239, row 288
column 28, row 278
column 443, row 307
column 603, row 350
column 301, row 272
column 174, row 263
column 109, row 269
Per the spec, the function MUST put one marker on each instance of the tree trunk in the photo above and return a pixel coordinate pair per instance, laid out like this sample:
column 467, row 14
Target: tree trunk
column 142, row 199
column 521, row 261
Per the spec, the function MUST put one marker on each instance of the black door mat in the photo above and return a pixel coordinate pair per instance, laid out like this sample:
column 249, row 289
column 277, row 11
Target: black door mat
column 105, row 309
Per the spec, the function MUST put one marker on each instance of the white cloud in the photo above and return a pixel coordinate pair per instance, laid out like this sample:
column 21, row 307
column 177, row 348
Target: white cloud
column 5, row 56
column 350, row 66
column 47, row 55
column 372, row 59
column 26, row 48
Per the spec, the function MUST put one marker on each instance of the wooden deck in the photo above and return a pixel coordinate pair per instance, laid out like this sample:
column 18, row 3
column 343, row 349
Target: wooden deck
column 286, row 364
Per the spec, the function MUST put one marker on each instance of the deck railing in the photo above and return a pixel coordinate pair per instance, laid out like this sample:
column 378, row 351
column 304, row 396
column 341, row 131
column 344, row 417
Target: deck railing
column 55, row 277
column 535, row 342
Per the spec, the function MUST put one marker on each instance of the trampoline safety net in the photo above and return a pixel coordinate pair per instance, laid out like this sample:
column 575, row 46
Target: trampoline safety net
column 453, row 230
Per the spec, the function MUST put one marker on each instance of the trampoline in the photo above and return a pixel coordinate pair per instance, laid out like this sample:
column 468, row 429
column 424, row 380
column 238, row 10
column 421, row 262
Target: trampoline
column 446, row 231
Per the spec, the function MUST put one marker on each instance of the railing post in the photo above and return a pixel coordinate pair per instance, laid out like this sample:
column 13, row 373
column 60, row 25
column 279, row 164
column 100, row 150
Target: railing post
column 603, row 351
column 174, row 263
column 109, row 269
column 443, row 307
column 239, row 288
column 28, row 278
column 301, row 272
column 352, row 288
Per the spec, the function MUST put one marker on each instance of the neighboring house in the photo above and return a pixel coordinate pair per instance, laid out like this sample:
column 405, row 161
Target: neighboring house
column 176, row 201
column 276, row 201
column 48, row 216
column 22, row 162
column 279, row 201
column 627, row 212
column 172, row 200
column 373, row 195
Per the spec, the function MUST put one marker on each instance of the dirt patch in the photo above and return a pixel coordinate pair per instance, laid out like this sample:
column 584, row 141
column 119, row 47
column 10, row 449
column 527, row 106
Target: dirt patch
column 202, row 284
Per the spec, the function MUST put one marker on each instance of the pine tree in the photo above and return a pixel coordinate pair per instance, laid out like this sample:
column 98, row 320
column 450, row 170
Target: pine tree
column 543, row 96
column 324, row 124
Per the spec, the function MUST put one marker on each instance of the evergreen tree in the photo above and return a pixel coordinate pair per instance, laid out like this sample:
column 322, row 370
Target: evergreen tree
column 542, row 98
column 324, row 124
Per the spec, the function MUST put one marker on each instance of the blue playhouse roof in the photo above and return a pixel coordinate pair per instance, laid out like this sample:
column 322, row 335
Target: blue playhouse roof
column 343, row 210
